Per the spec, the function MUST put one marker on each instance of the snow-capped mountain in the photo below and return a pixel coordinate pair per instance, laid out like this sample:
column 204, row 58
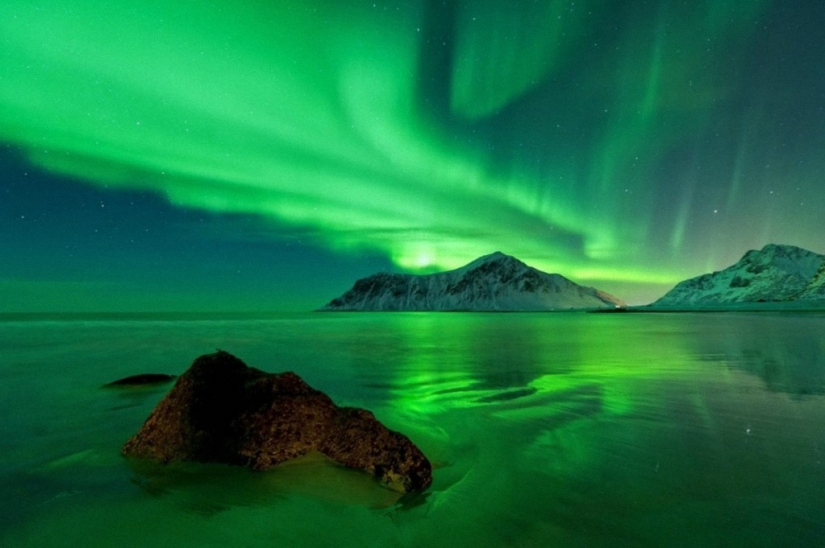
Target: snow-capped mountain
column 775, row 273
column 493, row 282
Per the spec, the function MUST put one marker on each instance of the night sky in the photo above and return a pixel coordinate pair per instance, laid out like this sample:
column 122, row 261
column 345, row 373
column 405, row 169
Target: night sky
column 191, row 155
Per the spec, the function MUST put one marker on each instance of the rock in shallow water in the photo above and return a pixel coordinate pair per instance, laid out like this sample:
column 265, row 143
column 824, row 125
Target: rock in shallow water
column 144, row 379
column 221, row 410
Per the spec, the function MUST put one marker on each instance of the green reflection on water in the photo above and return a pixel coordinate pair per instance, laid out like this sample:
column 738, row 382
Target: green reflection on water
column 600, row 430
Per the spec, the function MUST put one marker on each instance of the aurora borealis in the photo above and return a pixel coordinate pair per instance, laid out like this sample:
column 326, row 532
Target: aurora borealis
column 271, row 152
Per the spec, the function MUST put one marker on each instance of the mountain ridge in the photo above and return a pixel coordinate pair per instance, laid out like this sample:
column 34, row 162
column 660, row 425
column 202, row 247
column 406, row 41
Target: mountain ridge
column 775, row 273
column 494, row 282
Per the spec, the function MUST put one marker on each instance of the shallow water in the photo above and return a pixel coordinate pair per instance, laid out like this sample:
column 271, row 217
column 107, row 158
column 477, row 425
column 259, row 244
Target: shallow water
column 560, row 429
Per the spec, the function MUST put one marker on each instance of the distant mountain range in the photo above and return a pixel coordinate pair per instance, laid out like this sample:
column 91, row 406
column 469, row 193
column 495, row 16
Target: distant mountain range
column 773, row 274
column 782, row 275
column 495, row 282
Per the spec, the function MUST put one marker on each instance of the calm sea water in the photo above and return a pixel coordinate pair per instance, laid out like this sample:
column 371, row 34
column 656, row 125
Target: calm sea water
column 563, row 429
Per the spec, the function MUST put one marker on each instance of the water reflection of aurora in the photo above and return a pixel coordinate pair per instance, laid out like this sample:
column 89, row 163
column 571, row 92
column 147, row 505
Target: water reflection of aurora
column 609, row 430
column 603, row 372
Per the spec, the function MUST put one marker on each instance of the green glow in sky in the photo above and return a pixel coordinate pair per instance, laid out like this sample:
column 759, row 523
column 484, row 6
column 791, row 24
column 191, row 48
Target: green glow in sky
column 503, row 49
column 325, row 117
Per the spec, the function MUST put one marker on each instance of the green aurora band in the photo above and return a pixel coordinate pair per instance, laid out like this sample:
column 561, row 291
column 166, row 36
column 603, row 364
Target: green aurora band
column 326, row 117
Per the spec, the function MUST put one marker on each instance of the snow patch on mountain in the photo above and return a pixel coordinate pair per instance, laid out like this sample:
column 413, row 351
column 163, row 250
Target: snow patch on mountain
column 495, row 282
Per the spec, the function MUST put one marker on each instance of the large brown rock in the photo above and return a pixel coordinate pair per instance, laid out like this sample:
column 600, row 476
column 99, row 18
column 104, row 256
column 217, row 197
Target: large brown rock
column 221, row 410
